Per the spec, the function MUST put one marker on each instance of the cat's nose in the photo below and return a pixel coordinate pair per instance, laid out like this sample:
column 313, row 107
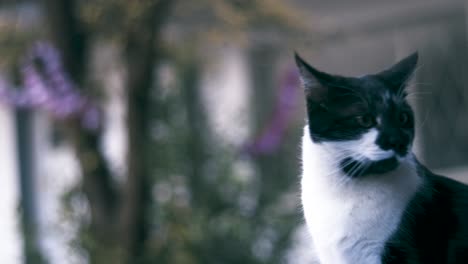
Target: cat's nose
column 396, row 143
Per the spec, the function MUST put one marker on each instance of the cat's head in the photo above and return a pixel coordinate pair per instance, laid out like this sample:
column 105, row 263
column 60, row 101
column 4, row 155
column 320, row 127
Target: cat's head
column 363, row 120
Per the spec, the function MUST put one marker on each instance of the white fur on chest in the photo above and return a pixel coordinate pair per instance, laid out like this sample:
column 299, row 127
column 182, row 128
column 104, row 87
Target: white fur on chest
column 351, row 219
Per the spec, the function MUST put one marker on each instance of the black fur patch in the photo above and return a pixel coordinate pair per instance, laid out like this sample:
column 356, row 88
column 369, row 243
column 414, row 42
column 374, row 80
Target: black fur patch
column 355, row 169
column 434, row 227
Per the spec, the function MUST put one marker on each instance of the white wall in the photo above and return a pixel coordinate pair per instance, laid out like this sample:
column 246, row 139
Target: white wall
column 10, row 239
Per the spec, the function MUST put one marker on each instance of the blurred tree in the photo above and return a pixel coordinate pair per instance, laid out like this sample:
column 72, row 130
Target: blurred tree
column 118, row 226
column 183, row 199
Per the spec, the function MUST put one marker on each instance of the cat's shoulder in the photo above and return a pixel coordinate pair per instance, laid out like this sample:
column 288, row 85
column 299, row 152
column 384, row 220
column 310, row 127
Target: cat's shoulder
column 441, row 197
column 434, row 227
column 442, row 185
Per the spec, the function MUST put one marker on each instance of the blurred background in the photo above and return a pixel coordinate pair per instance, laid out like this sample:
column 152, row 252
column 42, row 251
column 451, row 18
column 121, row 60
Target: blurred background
column 168, row 131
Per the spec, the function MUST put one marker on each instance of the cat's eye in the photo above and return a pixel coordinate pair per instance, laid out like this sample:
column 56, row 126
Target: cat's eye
column 366, row 121
column 403, row 118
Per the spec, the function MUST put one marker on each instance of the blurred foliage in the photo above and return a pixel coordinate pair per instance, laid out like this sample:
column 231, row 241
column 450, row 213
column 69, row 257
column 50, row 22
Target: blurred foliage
column 208, row 201
column 227, row 226
column 15, row 38
column 201, row 20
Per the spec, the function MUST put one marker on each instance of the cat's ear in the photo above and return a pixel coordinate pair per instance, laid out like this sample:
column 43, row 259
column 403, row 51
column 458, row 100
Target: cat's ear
column 400, row 74
column 316, row 83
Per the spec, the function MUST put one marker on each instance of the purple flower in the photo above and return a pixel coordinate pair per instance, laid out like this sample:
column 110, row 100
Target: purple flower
column 273, row 133
column 49, row 88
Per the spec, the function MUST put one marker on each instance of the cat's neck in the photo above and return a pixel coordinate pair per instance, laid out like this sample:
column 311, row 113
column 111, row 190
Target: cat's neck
column 344, row 213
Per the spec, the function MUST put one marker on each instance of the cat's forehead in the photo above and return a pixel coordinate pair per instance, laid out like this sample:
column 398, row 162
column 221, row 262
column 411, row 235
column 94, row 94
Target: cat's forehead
column 372, row 85
column 378, row 94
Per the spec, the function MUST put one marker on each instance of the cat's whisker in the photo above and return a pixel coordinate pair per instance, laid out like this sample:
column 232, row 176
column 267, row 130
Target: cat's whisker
column 426, row 117
column 339, row 165
column 339, row 168
column 421, row 83
column 357, row 168
column 419, row 92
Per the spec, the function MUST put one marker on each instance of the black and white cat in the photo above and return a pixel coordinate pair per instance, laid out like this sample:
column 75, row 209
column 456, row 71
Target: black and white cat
column 366, row 198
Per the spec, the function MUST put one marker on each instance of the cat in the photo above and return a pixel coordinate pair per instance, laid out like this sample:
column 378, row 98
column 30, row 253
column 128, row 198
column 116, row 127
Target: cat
column 366, row 198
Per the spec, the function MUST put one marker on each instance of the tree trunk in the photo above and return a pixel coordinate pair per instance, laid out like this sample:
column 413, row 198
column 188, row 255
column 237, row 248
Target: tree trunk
column 197, row 129
column 140, row 57
column 98, row 186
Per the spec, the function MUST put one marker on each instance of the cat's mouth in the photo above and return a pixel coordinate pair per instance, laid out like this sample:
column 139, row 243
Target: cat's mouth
column 354, row 168
column 384, row 165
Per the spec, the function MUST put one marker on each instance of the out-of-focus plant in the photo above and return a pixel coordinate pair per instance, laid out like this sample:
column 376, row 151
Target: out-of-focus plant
column 186, row 197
